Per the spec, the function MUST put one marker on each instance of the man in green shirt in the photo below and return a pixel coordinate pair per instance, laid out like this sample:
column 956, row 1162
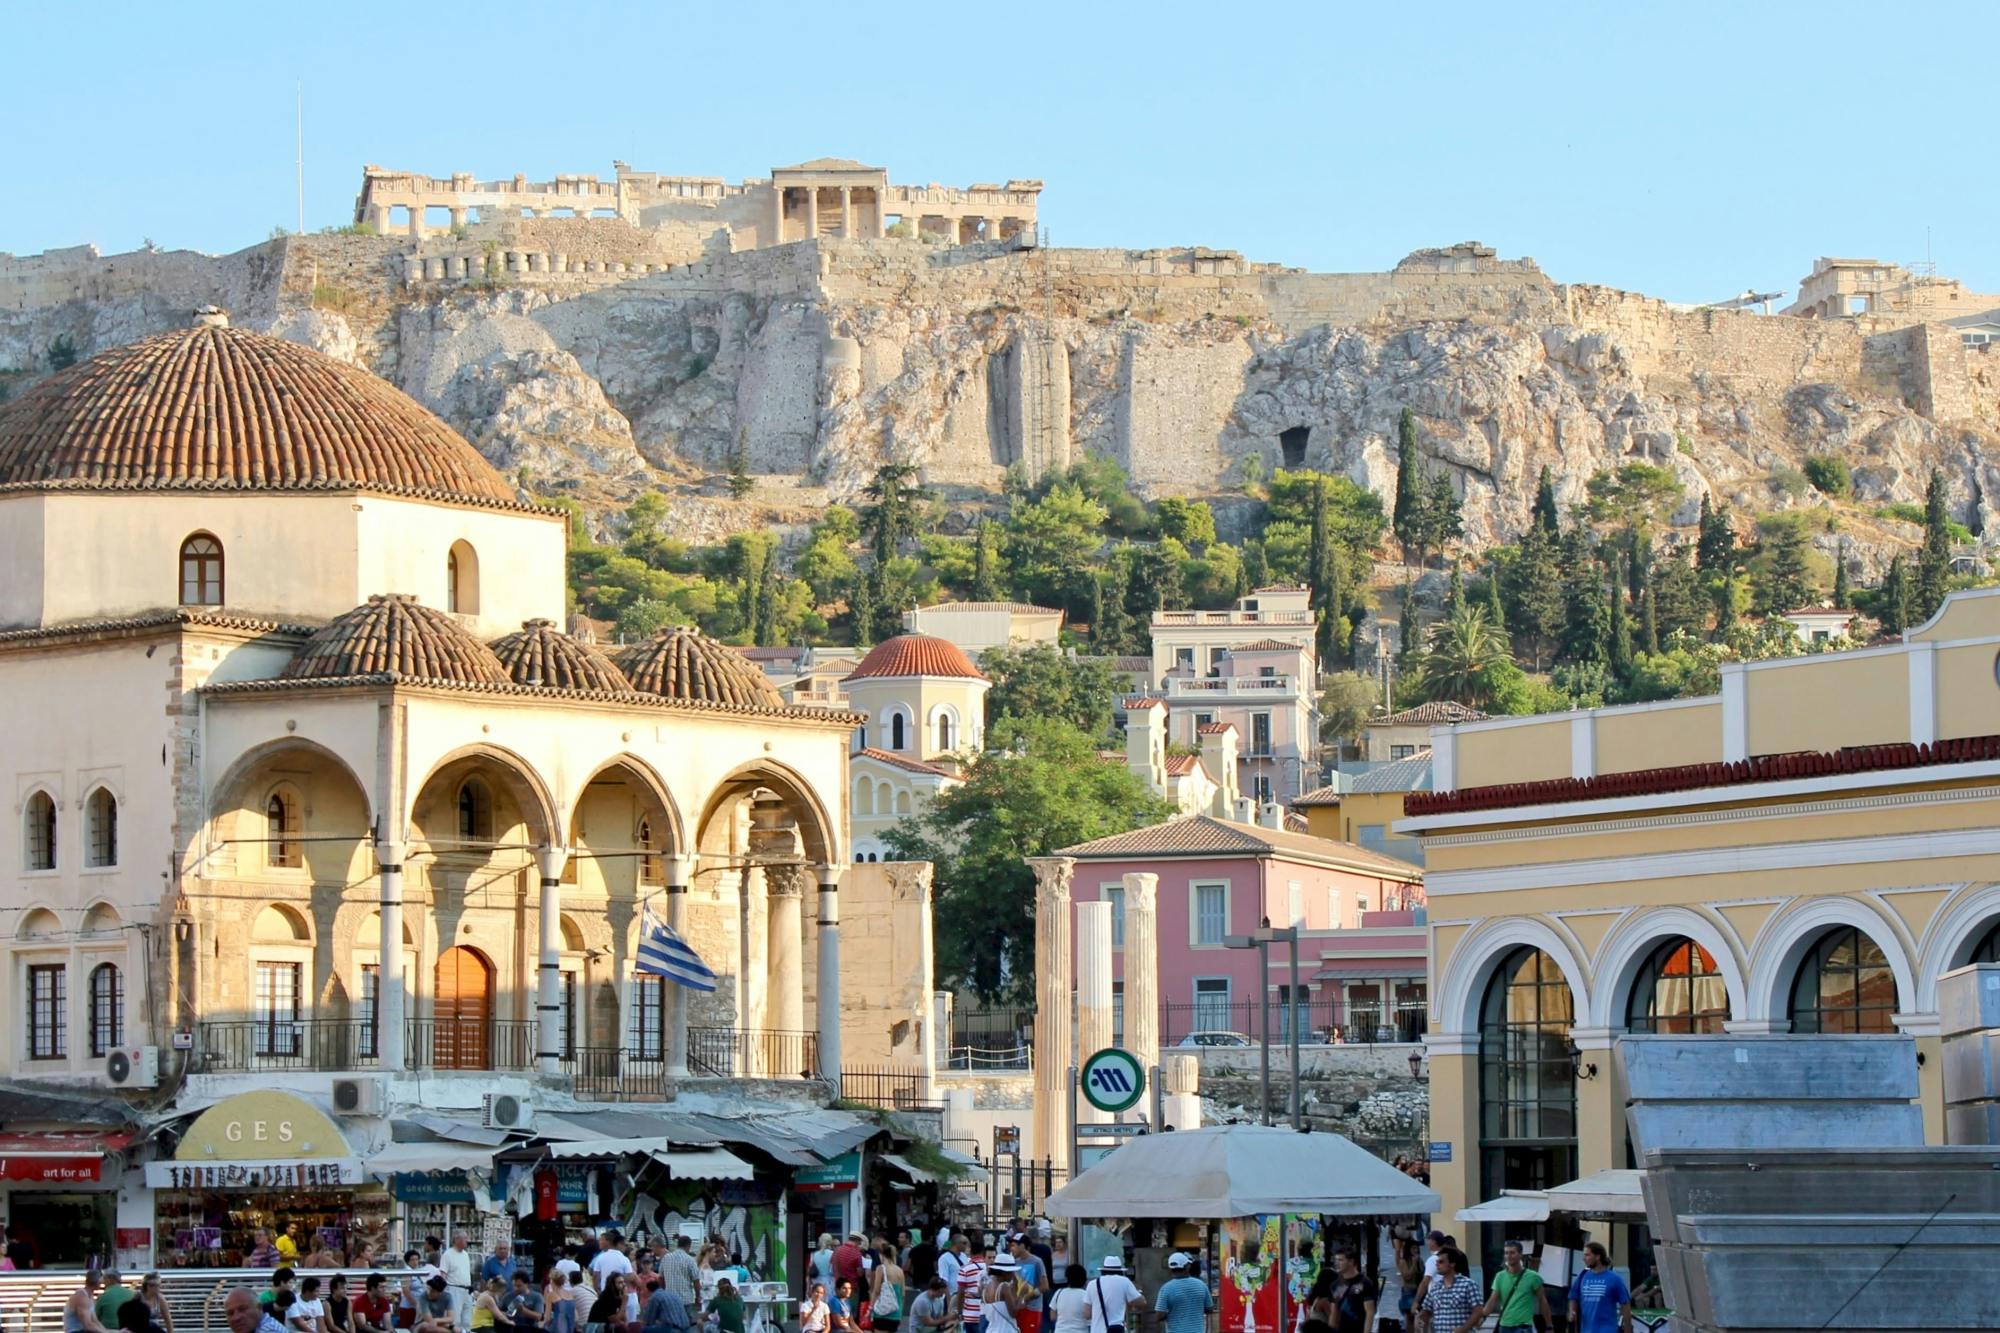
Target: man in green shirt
column 115, row 1294
column 1517, row 1295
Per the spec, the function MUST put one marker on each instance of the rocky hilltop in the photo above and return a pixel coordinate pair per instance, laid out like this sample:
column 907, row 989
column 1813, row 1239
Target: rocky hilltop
column 812, row 363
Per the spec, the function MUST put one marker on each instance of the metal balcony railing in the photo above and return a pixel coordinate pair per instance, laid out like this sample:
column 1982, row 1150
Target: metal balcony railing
column 752, row 1053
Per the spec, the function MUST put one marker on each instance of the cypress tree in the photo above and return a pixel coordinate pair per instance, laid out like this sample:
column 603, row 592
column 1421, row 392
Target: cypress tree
column 1715, row 546
column 861, row 609
column 1544, row 514
column 1442, row 519
column 1641, row 573
column 1934, row 560
column 1650, row 628
column 1843, row 595
column 1412, row 487
column 1097, row 625
column 1256, row 572
column 1406, row 624
column 1894, row 602
column 985, row 578
column 1619, row 655
column 1494, row 610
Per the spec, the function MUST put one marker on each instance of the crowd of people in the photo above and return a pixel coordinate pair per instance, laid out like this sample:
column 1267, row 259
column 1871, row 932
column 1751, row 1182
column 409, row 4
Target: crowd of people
column 1436, row 1292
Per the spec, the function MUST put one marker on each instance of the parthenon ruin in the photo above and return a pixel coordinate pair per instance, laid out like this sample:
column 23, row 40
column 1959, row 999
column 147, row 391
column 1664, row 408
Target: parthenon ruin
column 824, row 197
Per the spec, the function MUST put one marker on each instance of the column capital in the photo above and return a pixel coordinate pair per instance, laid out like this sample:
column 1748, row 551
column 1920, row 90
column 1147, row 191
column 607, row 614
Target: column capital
column 1438, row 1044
column 829, row 875
column 785, row 881
column 1141, row 890
column 678, row 870
column 389, row 855
column 1054, row 876
column 909, row 881
column 551, row 861
column 1595, row 1039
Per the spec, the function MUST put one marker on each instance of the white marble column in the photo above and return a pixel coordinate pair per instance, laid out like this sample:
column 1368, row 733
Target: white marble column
column 1142, row 969
column 750, row 974
column 1093, row 990
column 915, row 966
column 847, row 212
column 827, row 980
column 389, row 1007
column 783, row 943
column 673, row 999
column 812, row 212
column 548, row 988
column 1054, row 1005
column 777, row 215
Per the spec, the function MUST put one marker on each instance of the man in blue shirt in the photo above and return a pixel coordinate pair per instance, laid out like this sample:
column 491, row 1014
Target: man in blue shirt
column 1183, row 1298
column 1599, row 1301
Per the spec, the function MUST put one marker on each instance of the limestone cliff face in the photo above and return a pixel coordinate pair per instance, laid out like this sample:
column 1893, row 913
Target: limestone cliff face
column 818, row 362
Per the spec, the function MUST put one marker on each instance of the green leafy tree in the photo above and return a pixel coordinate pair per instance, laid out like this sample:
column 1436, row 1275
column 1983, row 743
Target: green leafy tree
column 1354, row 518
column 1531, row 587
column 1782, row 577
column 1114, row 632
column 1158, row 574
column 1496, row 610
column 1189, row 522
column 1586, row 635
column 1715, row 545
column 1934, row 559
column 1256, row 571
column 1042, row 681
column 1637, row 495
column 1039, row 789
column 1443, row 519
column 986, row 563
column 1347, row 700
column 1049, row 543
column 895, row 509
column 1680, row 602
column 60, row 353
column 1829, row 474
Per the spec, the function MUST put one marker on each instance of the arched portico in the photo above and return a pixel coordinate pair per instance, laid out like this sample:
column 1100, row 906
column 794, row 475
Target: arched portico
column 1782, row 945
column 1955, row 929
column 1473, row 962
column 1632, row 941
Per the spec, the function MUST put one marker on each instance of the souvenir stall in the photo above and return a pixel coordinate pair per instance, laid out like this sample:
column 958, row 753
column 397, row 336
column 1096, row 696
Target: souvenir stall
column 262, row 1160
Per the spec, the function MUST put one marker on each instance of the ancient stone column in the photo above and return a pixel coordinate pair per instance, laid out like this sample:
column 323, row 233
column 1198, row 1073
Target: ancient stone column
column 1053, row 1005
column 389, row 1044
column 786, row 1007
column 914, row 954
column 812, row 212
column 847, row 212
column 1183, row 1099
column 1093, row 990
column 750, row 976
column 827, row 979
column 548, row 976
column 777, row 215
column 679, row 872
column 1142, row 969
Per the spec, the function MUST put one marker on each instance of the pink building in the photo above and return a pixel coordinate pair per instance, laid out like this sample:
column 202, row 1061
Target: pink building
column 1361, row 948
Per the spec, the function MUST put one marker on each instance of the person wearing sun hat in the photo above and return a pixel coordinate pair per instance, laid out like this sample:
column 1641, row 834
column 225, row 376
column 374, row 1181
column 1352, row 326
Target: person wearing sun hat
column 1005, row 1295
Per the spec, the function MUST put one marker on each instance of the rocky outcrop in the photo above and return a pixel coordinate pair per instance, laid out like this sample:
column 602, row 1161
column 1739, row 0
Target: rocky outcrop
column 815, row 363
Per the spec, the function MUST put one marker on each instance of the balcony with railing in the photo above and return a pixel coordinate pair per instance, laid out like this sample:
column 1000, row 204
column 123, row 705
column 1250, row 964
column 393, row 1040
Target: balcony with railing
column 1176, row 619
column 1212, row 687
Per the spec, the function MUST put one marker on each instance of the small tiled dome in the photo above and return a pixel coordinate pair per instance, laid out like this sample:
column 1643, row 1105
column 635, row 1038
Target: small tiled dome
column 215, row 408
column 540, row 654
column 393, row 635
column 916, row 655
column 684, row 663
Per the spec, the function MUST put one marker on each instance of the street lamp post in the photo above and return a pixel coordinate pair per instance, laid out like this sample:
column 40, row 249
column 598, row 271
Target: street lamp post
column 1261, row 940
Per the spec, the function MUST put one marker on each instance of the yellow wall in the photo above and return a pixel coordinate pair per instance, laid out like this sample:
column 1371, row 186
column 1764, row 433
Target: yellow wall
column 1658, row 738
column 1530, row 752
column 1788, row 706
column 1967, row 615
column 1968, row 693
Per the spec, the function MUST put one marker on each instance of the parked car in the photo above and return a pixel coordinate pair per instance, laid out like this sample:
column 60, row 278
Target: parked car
column 1214, row 1039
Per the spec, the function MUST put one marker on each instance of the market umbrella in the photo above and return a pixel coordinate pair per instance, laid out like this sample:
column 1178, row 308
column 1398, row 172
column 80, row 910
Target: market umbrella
column 1240, row 1171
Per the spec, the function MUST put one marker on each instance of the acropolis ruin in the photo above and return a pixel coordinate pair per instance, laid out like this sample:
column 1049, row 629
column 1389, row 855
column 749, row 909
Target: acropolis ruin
column 827, row 196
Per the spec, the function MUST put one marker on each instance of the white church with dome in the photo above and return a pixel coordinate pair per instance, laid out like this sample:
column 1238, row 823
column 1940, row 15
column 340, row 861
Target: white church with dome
column 305, row 776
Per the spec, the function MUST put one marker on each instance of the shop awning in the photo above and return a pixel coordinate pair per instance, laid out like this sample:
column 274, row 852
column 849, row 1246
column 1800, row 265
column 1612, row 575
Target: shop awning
column 573, row 1148
column 705, row 1164
column 916, row 1174
column 1389, row 969
column 62, row 1144
column 1612, row 1193
column 259, row 1174
column 795, row 1138
column 424, row 1157
column 1511, row 1206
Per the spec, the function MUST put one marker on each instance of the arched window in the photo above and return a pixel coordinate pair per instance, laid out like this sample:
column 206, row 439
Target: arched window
column 896, row 736
column 903, row 802
column 649, row 866
column 282, row 848
column 1527, row 1086
column 40, row 831
column 1679, row 990
column 1988, row 948
column 475, row 811
column 201, row 571
column 461, row 573
column 864, row 797
column 107, row 1009
column 100, row 820
column 1844, row 985
column 946, row 741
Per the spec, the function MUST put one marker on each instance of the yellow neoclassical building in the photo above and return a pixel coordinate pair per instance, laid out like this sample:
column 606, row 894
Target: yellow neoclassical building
column 1808, row 851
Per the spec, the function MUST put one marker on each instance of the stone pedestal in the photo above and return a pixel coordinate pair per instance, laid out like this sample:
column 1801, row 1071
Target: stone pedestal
column 1093, row 991
column 1142, row 969
column 1053, row 1005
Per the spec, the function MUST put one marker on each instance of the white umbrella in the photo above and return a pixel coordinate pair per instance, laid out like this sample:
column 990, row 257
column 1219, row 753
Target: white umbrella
column 1612, row 1193
column 1239, row 1171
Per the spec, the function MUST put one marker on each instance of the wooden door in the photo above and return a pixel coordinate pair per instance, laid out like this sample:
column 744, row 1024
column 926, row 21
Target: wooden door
column 464, row 1009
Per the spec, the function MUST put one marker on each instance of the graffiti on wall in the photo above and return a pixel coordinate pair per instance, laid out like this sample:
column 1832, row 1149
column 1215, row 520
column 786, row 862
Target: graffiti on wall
column 750, row 1224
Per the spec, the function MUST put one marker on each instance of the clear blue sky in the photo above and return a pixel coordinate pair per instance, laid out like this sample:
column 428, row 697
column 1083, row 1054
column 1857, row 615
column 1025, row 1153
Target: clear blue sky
column 1685, row 150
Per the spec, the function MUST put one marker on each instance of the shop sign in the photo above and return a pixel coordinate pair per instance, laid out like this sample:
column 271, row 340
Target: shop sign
column 1112, row 1080
column 842, row 1173
column 431, row 1187
column 52, row 1170
column 178, row 1175
column 134, row 1238
column 1440, row 1151
column 260, row 1127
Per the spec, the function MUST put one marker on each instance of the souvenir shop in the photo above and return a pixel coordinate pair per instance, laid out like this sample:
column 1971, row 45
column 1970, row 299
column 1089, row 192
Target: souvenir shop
column 263, row 1161
column 59, row 1196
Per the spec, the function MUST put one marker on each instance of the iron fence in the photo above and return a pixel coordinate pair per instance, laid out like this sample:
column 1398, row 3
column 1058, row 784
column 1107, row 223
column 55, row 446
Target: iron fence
column 1016, row 1187
column 317, row 1045
column 729, row 1052
column 891, row 1088
column 991, row 1039
column 457, row 1043
column 1323, row 1018
column 604, row 1073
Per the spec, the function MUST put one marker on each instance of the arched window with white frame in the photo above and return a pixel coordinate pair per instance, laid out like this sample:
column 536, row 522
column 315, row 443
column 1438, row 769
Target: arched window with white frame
column 39, row 831
column 201, row 570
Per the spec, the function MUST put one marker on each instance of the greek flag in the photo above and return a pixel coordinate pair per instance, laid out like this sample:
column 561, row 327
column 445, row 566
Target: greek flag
column 665, row 954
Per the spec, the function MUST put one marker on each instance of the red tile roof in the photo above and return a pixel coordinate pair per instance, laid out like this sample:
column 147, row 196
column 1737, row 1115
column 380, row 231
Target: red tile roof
column 540, row 654
column 1267, row 646
column 1205, row 835
column 395, row 635
column 1694, row 777
column 215, row 408
column 916, row 655
column 683, row 663
column 1147, row 702
column 1180, row 765
column 1438, row 712
column 1213, row 728
column 902, row 761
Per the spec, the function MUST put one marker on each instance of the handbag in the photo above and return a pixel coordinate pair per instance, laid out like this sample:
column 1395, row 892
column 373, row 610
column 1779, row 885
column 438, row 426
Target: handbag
column 1109, row 1327
column 866, row 1319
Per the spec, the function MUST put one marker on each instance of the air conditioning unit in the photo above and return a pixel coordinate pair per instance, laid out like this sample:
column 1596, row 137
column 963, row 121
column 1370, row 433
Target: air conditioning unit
column 504, row 1110
column 133, row 1067
column 359, row 1096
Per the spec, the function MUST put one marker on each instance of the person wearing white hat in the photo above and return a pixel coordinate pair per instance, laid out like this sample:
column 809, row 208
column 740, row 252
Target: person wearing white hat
column 1004, row 1296
column 1184, row 1298
column 1114, row 1298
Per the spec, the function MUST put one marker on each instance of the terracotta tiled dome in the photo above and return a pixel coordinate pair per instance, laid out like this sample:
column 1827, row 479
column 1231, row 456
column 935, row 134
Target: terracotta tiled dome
column 213, row 407
column 684, row 663
column 394, row 635
column 916, row 655
column 540, row 654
